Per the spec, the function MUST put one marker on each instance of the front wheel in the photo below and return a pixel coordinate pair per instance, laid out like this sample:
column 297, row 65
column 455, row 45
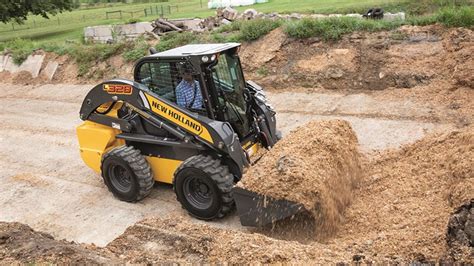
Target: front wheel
column 203, row 186
column 127, row 174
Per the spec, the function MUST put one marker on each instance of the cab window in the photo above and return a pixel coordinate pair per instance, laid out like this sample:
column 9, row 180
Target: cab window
column 161, row 78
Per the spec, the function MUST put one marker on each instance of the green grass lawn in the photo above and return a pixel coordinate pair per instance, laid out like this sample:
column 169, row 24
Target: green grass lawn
column 69, row 25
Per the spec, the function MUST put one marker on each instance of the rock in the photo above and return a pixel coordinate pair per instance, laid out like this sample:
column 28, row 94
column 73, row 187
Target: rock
column 50, row 69
column 396, row 16
column 4, row 237
column 225, row 21
column 229, row 13
column 318, row 16
column 295, row 16
column 358, row 257
column 249, row 14
column 335, row 73
column 461, row 226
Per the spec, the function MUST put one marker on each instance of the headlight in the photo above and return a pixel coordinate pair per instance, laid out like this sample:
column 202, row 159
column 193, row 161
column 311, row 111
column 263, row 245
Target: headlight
column 260, row 95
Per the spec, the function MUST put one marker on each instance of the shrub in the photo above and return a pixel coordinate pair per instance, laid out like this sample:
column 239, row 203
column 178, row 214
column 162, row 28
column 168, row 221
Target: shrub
column 87, row 55
column 175, row 39
column 20, row 49
column 137, row 50
column 234, row 26
column 456, row 17
column 421, row 20
column 334, row 28
column 253, row 29
column 59, row 49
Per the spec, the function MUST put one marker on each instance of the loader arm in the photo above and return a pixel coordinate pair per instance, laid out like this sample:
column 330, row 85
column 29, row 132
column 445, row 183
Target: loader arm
column 183, row 124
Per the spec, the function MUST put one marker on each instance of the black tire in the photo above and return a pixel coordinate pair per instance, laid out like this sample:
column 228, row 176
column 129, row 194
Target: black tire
column 127, row 174
column 203, row 186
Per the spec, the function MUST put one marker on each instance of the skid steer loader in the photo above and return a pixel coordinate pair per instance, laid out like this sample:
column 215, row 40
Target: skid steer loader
column 137, row 132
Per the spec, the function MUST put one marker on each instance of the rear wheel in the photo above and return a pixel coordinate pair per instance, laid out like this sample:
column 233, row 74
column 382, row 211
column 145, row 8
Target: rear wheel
column 203, row 186
column 127, row 174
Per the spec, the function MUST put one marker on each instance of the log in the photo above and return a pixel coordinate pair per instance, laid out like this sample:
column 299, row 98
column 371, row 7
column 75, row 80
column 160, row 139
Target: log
column 169, row 24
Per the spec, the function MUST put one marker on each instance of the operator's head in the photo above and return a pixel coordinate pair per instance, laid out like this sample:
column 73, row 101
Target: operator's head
column 188, row 77
column 186, row 72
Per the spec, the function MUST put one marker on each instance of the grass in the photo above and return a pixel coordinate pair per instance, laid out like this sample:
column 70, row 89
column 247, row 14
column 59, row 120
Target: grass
column 19, row 48
column 332, row 29
column 69, row 25
column 254, row 29
column 176, row 39
column 456, row 17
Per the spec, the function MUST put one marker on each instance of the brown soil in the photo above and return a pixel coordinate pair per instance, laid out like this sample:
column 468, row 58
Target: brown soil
column 20, row 244
column 405, row 200
column 399, row 214
column 399, row 211
column 404, row 58
column 317, row 165
column 176, row 240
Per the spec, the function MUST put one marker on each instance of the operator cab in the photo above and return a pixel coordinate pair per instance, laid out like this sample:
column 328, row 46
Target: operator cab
column 217, row 70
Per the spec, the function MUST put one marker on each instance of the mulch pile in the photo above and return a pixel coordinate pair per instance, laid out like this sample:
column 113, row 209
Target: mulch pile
column 318, row 165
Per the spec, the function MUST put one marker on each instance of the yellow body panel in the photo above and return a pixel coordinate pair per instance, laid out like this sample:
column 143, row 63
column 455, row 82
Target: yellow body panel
column 94, row 140
column 163, row 169
column 253, row 149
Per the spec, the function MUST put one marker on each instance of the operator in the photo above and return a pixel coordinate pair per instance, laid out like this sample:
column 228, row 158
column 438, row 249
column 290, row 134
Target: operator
column 188, row 92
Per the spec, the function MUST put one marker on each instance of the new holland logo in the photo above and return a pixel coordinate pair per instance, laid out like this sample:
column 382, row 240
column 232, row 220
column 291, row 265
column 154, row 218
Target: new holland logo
column 118, row 89
column 177, row 116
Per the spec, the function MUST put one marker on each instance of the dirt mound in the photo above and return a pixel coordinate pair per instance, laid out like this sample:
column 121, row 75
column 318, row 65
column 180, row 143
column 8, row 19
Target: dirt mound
column 20, row 244
column 407, row 197
column 176, row 240
column 256, row 54
column 317, row 165
column 400, row 213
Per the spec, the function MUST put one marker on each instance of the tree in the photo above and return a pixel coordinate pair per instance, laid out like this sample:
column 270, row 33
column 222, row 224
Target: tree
column 18, row 10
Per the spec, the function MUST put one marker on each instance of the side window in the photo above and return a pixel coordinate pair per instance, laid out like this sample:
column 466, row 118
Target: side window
column 160, row 78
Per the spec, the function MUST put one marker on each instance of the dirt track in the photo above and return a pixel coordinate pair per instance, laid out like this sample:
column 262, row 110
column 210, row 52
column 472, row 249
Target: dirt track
column 46, row 185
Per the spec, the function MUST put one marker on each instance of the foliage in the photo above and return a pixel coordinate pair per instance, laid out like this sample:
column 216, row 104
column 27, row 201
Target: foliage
column 253, row 29
column 137, row 50
column 262, row 71
column 87, row 55
column 19, row 49
column 456, row 17
column 423, row 7
column 132, row 21
column 175, row 39
column 59, row 49
column 19, row 10
column 334, row 28
column 231, row 27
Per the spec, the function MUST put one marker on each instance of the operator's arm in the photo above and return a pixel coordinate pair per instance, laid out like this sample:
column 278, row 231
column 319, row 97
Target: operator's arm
column 180, row 95
column 198, row 103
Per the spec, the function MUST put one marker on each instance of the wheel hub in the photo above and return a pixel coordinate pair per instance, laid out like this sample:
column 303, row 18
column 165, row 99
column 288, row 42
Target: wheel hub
column 121, row 178
column 197, row 192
